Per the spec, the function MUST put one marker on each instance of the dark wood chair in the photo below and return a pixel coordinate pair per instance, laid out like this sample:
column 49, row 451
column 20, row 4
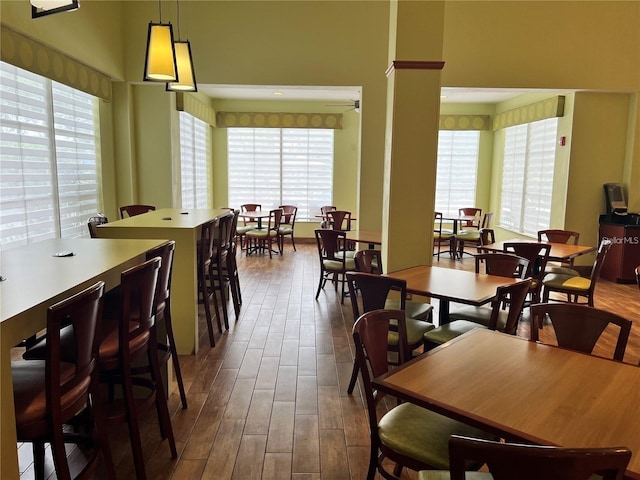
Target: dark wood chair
column 441, row 236
column 217, row 276
column 206, row 254
column 487, row 237
column 560, row 236
column 493, row 318
column 93, row 222
column 538, row 255
column 576, row 287
column 287, row 224
column 323, row 211
column 133, row 210
column 373, row 292
column 128, row 327
column 407, row 435
column 334, row 262
column 339, row 220
column 247, row 225
column 508, row 461
column 50, row 392
column 230, row 267
column 470, row 235
column 578, row 327
column 502, row 265
column 261, row 239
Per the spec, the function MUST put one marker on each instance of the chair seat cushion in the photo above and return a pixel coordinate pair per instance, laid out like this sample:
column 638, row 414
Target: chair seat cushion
column 449, row 331
column 417, row 310
column 285, row 229
column 347, row 253
column 443, row 237
column 242, row 229
column 260, row 234
column 336, row 266
column 561, row 270
column 479, row 315
column 566, row 282
column 415, row 332
column 469, row 235
column 423, row 434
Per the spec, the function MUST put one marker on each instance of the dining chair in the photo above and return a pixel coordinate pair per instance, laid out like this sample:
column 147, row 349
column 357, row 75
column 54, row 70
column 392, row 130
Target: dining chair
column 323, row 211
column 334, row 263
column 263, row 238
column 441, row 236
column 487, row 237
column 133, row 210
column 501, row 264
column 50, row 392
column 370, row 261
column 339, row 219
column 206, row 254
column 217, row 277
column 287, row 224
column 230, row 267
column 247, row 225
column 93, row 222
column 493, row 318
column 538, row 254
column 373, row 292
column 576, row 287
column 471, row 234
column 508, row 461
column 470, row 212
column 129, row 359
column 579, row 327
column 560, row 236
column 407, row 435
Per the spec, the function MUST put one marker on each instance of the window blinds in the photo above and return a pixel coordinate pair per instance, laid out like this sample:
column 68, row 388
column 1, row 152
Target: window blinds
column 193, row 162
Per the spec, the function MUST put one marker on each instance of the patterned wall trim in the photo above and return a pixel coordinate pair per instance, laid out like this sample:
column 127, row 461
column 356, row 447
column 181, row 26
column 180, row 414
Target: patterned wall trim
column 549, row 108
column 279, row 120
column 193, row 106
column 29, row 54
column 465, row 122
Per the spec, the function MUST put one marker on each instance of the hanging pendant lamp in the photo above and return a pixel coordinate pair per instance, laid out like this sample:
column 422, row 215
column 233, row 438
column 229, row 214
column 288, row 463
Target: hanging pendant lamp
column 160, row 61
column 186, row 72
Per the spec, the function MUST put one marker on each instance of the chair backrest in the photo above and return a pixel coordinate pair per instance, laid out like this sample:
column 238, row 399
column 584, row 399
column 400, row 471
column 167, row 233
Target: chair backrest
column 206, row 244
column 251, row 207
column 93, row 222
column 502, row 265
column 487, row 237
column 604, row 247
column 275, row 218
column 133, row 210
column 329, row 242
column 163, row 285
column 486, row 220
column 224, row 234
column 289, row 213
column 339, row 219
column 369, row 261
column 579, row 327
column 508, row 461
column 473, row 212
column 514, row 296
column 558, row 236
column 374, row 290
column 437, row 225
column 537, row 253
column 370, row 333
column 66, row 394
column 327, row 208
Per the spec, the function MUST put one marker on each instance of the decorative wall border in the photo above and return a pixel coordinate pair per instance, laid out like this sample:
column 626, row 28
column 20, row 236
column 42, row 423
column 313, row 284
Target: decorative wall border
column 193, row 106
column 549, row 108
column 465, row 122
column 29, row 54
column 279, row 120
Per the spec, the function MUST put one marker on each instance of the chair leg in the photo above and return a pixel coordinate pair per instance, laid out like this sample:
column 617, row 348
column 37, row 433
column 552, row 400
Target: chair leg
column 164, row 419
column 207, row 309
column 293, row 243
column 134, row 427
column 174, row 357
column 223, row 300
column 354, row 378
column 60, row 455
column 38, row 459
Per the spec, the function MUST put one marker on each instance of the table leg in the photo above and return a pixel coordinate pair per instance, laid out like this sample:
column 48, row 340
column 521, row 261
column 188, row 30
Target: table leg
column 443, row 314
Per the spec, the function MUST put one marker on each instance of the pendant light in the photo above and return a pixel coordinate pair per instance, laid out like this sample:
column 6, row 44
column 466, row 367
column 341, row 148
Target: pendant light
column 160, row 61
column 40, row 8
column 186, row 72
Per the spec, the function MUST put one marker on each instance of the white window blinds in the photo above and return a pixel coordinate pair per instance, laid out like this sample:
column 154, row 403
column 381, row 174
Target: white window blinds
column 48, row 148
column 272, row 166
column 193, row 162
column 457, row 170
column 527, row 176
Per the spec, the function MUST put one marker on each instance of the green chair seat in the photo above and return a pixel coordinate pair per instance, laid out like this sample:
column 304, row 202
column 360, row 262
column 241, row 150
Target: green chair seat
column 422, row 434
column 479, row 315
column 469, row 235
column 443, row 236
column 336, row 266
column 449, row 331
column 285, row 229
column 567, row 282
column 417, row 310
column 245, row 228
column 416, row 330
column 347, row 253
column 261, row 233
column 445, row 475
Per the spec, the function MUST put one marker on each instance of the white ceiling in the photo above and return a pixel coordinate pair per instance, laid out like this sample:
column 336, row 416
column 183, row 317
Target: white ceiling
column 349, row 93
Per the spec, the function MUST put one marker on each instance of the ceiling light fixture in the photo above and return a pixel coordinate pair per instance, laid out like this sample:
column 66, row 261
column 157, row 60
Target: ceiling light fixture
column 40, row 8
column 186, row 72
column 160, row 61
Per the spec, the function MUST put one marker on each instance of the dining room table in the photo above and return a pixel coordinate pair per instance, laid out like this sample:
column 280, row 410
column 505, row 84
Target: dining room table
column 559, row 252
column 255, row 216
column 370, row 237
column 36, row 276
column 456, row 219
column 451, row 285
column 526, row 391
column 184, row 226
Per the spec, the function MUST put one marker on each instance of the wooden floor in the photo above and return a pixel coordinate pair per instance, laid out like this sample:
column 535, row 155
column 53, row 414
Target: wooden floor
column 269, row 401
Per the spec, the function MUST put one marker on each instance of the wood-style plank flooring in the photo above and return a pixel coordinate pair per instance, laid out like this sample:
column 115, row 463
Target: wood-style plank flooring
column 269, row 401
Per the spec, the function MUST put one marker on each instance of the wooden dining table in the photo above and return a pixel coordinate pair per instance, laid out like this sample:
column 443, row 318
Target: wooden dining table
column 370, row 237
column 560, row 252
column 526, row 391
column 35, row 279
column 255, row 215
column 183, row 226
column 450, row 285
column 455, row 219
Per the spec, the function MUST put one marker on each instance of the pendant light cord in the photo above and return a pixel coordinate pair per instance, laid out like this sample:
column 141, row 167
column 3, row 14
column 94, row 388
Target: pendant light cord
column 178, row 18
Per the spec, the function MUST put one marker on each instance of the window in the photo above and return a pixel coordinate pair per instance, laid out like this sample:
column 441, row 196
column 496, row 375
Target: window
column 527, row 177
column 274, row 166
column 48, row 158
column 457, row 170
column 193, row 162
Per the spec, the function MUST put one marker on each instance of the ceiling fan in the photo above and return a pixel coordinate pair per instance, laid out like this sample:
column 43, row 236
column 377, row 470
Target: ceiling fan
column 355, row 105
